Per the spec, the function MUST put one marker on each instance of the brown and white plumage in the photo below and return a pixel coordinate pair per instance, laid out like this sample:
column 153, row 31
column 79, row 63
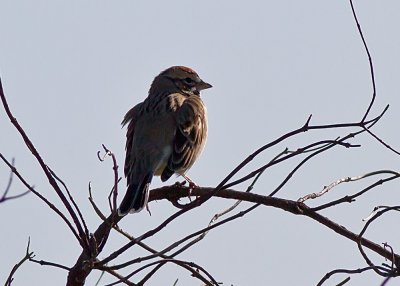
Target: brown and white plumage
column 166, row 133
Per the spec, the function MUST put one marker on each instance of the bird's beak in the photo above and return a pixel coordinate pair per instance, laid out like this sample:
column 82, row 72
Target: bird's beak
column 203, row 85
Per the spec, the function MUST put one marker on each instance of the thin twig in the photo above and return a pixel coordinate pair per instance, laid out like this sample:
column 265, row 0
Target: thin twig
column 371, row 66
column 47, row 263
column 224, row 212
column 315, row 152
column 46, row 201
column 72, row 200
column 386, row 280
column 344, row 180
column 287, row 205
column 392, row 257
column 28, row 256
column 386, row 245
column 100, row 277
column 219, row 215
column 4, row 197
column 114, row 190
column 351, row 198
column 299, row 151
column 184, row 264
column 10, row 179
column 346, row 271
column 118, row 229
column 121, row 279
column 383, row 142
column 43, row 165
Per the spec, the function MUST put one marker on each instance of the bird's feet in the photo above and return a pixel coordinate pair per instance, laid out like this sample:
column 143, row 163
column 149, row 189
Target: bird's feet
column 192, row 185
column 190, row 181
column 148, row 209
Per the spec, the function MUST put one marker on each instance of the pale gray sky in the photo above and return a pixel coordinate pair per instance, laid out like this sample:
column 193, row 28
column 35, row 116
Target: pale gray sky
column 71, row 69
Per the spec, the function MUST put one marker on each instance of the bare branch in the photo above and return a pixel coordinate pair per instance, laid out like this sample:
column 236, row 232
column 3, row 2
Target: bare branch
column 46, row 201
column 326, row 143
column 72, row 200
column 393, row 257
column 4, row 197
column 82, row 238
column 48, row 263
column 346, row 271
column 121, row 279
column 351, row 198
column 93, row 244
column 386, row 245
column 383, row 142
column 344, row 180
column 286, row 205
column 114, row 190
column 293, row 207
column 118, row 229
column 386, row 280
column 184, row 264
column 371, row 66
column 28, row 256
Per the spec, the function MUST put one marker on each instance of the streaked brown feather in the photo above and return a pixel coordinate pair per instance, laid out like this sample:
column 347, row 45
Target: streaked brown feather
column 191, row 134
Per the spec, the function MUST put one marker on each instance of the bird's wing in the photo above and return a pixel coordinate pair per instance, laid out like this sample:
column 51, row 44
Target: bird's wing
column 130, row 118
column 190, row 136
column 150, row 124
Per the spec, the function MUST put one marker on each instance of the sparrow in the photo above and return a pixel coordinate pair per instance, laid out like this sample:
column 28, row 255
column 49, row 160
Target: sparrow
column 166, row 133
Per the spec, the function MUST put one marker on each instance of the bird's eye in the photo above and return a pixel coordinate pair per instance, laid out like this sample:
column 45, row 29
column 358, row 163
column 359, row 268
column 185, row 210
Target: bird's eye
column 188, row 80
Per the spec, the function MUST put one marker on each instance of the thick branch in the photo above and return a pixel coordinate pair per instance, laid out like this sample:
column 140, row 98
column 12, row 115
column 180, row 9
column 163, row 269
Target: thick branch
column 175, row 192
column 80, row 271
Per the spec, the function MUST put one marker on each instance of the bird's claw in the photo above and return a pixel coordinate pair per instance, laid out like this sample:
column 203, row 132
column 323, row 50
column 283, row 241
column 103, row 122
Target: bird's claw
column 180, row 184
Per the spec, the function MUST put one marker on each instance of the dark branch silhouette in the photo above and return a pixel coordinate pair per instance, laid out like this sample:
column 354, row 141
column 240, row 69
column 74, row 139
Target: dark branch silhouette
column 92, row 243
column 5, row 196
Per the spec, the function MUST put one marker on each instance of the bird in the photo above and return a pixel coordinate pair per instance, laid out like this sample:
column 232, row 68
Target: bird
column 166, row 133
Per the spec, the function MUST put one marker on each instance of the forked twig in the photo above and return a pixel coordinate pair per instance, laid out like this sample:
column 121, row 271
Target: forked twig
column 114, row 190
column 81, row 233
column 326, row 189
column 28, row 256
column 4, row 197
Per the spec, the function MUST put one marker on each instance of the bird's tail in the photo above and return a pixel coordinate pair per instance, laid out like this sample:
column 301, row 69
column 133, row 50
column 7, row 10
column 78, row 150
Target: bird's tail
column 136, row 197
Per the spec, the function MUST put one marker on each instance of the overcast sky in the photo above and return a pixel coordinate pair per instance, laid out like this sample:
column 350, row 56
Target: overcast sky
column 71, row 69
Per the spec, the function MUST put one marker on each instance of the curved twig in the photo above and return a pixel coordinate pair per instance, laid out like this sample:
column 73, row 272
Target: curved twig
column 28, row 256
column 83, row 240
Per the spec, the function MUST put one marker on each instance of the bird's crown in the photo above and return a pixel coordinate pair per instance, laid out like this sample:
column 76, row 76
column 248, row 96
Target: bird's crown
column 181, row 78
column 180, row 72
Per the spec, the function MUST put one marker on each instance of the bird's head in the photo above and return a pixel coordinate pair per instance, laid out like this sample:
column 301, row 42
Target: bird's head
column 183, row 79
